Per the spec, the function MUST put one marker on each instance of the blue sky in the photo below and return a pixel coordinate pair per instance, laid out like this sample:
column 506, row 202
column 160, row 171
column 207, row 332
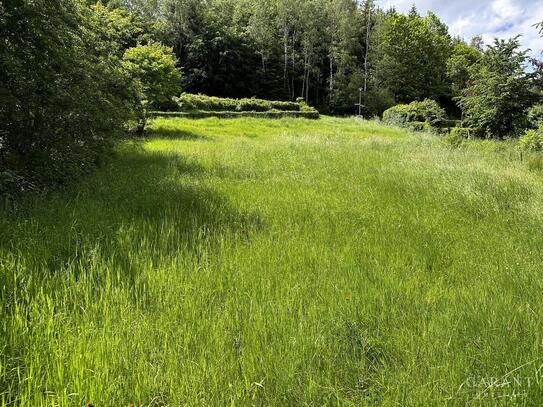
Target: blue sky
column 489, row 18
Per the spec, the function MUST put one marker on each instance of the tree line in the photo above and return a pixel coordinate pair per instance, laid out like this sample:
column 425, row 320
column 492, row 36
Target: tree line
column 323, row 51
column 74, row 72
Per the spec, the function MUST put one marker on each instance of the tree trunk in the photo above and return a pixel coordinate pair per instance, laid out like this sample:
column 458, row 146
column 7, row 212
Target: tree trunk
column 285, row 45
column 331, row 84
column 293, row 95
column 366, row 55
column 141, row 119
column 303, row 80
column 307, row 80
column 140, row 127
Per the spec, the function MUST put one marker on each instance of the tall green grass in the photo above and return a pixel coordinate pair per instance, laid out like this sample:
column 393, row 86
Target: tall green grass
column 287, row 262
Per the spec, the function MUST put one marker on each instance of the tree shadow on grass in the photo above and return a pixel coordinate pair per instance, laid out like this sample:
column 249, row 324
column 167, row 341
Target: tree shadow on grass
column 104, row 238
column 175, row 133
column 144, row 204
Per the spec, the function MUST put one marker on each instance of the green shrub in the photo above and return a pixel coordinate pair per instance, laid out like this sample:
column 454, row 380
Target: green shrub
column 499, row 91
column 189, row 103
column 535, row 116
column 397, row 115
column 286, row 106
column 313, row 114
column 448, row 124
column 426, row 111
column 253, row 105
column 532, row 140
column 419, row 126
column 304, row 107
column 63, row 94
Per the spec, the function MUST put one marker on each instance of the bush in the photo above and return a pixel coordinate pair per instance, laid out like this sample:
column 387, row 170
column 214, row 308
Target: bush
column 532, row 140
column 189, row 103
column 313, row 114
column 426, row 111
column 535, row 116
column 305, row 108
column 419, row 126
column 448, row 124
column 253, row 105
column 286, row 106
column 500, row 91
column 397, row 115
column 64, row 94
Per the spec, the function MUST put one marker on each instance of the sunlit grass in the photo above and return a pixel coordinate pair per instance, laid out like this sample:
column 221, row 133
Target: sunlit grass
column 278, row 262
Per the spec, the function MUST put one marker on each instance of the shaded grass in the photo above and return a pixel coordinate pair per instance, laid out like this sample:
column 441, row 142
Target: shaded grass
column 288, row 262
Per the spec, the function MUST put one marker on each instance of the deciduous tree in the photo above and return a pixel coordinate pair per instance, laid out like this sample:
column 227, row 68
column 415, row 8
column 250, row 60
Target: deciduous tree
column 155, row 78
column 500, row 91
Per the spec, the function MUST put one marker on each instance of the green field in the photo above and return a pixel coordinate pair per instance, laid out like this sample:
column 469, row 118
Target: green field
column 287, row 263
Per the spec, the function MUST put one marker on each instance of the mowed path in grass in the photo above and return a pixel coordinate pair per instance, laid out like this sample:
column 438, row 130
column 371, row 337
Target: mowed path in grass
column 287, row 262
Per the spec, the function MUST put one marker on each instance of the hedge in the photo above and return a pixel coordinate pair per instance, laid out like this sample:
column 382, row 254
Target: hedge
column 231, row 115
column 189, row 102
column 426, row 116
column 426, row 111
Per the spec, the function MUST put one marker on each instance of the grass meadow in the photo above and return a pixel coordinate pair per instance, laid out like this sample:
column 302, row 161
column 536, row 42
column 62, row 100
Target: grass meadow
column 278, row 262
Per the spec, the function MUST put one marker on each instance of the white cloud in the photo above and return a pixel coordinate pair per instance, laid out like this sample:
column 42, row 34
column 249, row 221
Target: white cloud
column 505, row 9
column 489, row 18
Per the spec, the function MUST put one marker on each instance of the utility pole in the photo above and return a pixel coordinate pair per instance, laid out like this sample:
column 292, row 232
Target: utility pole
column 359, row 104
